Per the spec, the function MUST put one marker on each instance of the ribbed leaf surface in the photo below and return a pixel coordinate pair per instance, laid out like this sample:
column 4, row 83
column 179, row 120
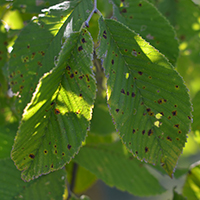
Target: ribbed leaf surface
column 54, row 124
column 39, row 43
column 110, row 164
column 45, row 188
column 145, row 19
column 148, row 99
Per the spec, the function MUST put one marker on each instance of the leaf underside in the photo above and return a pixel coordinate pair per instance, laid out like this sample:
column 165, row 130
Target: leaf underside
column 110, row 164
column 148, row 99
column 55, row 123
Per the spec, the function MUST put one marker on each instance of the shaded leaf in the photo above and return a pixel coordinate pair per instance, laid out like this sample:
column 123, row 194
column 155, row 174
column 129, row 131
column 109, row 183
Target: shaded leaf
column 148, row 99
column 191, row 188
column 83, row 178
column 38, row 45
column 55, row 123
column 46, row 187
column 196, row 112
column 145, row 19
column 110, row 163
column 178, row 196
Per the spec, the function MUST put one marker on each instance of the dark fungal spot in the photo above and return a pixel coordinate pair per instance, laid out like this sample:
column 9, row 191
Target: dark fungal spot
column 159, row 101
column 68, row 67
column 142, row 103
column 71, row 75
column 39, row 63
column 125, row 50
column 112, row 61
column 148, row 109
column 76, row 72
column 63, row 153
column 45, row 151
column 52, row 103
column 124, row 10
column 57, row 111
column 21, row 87
column 143, row 87
column 80, row 77
column 32, row 156
column 56, row 151
column 21, row 75
column 150, row 132
column 139, row 4
column 87, row 77
column 150, row 77
column 28, row 46
column 80, row 95
column 52, row 165
column 175, row 105
column 174, row 113
column 169, row 139
column 146, row 149
column 105, row 34
column 69, row 146
column 122, row 91
column 179, row 131
column 143, row 132
column 127, row 93
column 55, row 146
column 133, row 94
column 177, row 139
column 165, row 100
column 140, row 73
column 162, row 113
column 117, row 110
column 151, row 113
column 83, row 40
column 42, row 53
column 176, row 86
column 177, row 126
column 134, row 131
column 11, row 76
column 189, row 117
column 169, row 117
column 80, row 48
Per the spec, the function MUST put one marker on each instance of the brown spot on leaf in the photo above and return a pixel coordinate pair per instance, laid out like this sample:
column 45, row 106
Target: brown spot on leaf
column 117, row 110
column 69, row 146
column 174, row 113
column 52, row 165
column 189, row 117
column 56, row 151
column 176, row 86
column 143, row 132
column 87, row 77
column 32, row 156
column 57, row 111
column 150, row 132
column 140, row 73
column 169, row 139
column 133, row 94
column 139, row 4
column 112, row 61
column 146, row 149
column 127, row 93
column 83, row 40
column 136, row 152
column 134, row 131
column 124, row 10
column 122, row 91
column 45, row 151
column 68, row 67
column 177, row 126
column 80, row 48
column 71, row 75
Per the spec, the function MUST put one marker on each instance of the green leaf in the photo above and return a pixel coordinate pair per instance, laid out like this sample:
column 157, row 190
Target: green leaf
column 3, row 58
column 38, row 45
column 178, row 196
column 33, row 6
column 115, row 168
column 145, row 19
column 148, row 99
column 83, row 178
column 7, row 134
column 196, row 112
column 191, row 188
column 46, row 187
column 55, row 123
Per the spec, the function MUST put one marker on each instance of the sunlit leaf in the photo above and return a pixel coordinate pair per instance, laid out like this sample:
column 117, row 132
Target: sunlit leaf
column 148, row 99
column 38, row 45
column 55, row 123
column 115, row 168
column 45, row 188
column 145, row 19
column 191, row 188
